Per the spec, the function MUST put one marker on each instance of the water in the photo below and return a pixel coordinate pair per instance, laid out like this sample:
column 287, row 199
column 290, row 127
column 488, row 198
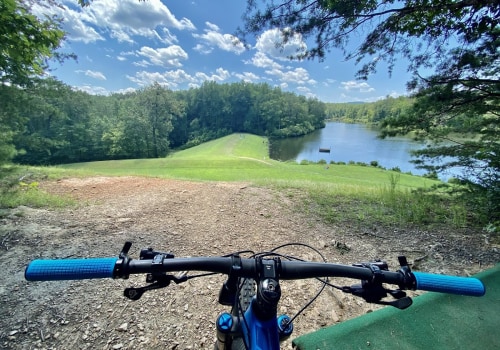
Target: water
column 349, row 142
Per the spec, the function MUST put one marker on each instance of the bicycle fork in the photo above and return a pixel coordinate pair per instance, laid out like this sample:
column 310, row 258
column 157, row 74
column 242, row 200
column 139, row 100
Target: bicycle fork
column 249, row 332
column 259, row 327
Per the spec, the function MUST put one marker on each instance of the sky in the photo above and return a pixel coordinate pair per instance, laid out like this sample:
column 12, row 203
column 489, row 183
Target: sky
column 124, row 45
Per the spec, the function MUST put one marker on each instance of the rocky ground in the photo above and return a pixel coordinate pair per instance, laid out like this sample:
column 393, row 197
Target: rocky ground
column 187, row 218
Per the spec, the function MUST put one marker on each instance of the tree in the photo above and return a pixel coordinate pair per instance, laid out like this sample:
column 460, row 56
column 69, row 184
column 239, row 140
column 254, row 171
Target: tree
column 11, row 99
column 457, row 39
column 159, row 107
column 459, row 108
column 27, row 42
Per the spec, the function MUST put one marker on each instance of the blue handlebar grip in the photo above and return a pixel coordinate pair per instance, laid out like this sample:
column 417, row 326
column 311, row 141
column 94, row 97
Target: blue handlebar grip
column 449, row 284
column 70, row 269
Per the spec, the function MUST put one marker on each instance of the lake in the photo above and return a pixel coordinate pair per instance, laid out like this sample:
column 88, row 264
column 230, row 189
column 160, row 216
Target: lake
column 349, row 142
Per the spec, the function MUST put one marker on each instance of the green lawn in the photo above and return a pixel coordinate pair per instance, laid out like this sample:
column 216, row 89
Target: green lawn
column 244, row 157
column 334, row 192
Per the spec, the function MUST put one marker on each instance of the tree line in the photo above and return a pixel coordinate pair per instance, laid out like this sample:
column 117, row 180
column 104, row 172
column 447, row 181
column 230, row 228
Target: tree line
column 48, row 122
column 370, row 113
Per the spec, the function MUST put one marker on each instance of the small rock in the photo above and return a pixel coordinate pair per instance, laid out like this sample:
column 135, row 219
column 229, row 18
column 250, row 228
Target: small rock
column 118, row 346
column 123, row 327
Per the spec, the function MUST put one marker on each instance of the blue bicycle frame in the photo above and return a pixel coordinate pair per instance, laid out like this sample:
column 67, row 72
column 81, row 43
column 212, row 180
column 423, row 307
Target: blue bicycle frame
column 261, row 335
column 257, row 334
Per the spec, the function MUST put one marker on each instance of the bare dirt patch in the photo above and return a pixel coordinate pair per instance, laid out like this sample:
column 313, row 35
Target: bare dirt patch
column 187, row 218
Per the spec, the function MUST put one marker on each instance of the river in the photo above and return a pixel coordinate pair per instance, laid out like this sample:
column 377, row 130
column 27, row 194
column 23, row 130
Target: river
column 349, row 142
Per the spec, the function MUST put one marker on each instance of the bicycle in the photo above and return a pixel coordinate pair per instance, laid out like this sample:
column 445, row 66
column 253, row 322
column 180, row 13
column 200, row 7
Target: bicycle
column 252, row 287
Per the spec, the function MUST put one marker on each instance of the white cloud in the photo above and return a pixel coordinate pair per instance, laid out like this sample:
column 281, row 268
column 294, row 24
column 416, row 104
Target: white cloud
column 168, row 37
column 248, row 77
column 141, row 63
column 121, row 36
column 221, row 75
column 296, row 76
column 128, row 53
column 144, row 78
column 126, row 90
column 360, row 86
column 271, row 42
column 177, row 79
column 212, row 27
column 205, row 50
column 261, row 60
column 179, row 76
column 212, row 37
column 92, row 90
column 165, row 57
column 394, row 94
column 139, row 16
column 122, row 19
column 284, row 74
column 76, row 28
column 92, row 74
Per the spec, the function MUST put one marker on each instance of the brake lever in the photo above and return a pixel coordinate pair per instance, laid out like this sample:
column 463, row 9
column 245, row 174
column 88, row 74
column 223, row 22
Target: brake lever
column 157, row 280
column 374, row 293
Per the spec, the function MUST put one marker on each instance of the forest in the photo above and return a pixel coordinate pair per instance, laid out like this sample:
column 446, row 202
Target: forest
column 369, row 113
column 48, row 122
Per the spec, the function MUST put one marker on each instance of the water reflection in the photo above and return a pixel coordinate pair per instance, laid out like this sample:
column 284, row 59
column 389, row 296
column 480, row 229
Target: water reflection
column 349, row 142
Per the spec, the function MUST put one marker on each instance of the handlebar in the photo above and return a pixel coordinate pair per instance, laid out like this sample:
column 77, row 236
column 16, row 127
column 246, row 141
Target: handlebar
column 122, row 267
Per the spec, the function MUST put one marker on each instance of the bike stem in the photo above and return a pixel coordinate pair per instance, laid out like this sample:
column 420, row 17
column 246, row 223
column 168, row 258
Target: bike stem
column 260, row 326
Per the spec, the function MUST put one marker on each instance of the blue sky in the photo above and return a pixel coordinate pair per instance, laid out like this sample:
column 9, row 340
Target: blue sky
column 126, row 44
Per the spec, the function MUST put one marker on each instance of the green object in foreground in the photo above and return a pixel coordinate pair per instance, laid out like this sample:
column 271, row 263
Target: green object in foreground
column 434, row 321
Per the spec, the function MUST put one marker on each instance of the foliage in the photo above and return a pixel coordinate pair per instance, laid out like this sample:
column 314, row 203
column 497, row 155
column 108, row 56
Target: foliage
column 50, row 123
column 27, row 42
column 459, row 108
column 373, row 112
column 457, row 41
column 20, row 186
column 417, row 29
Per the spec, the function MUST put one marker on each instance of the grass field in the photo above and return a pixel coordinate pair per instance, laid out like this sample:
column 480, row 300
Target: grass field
column 362, row 192
column 244, row 157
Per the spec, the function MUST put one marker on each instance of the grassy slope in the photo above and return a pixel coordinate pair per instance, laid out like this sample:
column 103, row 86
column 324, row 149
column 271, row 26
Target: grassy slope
column 244, row 157
column 353, row 193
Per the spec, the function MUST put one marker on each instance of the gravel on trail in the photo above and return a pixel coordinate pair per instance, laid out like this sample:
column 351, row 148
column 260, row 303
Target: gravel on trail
column 188, row 219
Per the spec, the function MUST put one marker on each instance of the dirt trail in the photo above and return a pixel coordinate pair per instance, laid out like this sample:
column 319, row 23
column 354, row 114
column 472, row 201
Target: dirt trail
column 187, row 218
